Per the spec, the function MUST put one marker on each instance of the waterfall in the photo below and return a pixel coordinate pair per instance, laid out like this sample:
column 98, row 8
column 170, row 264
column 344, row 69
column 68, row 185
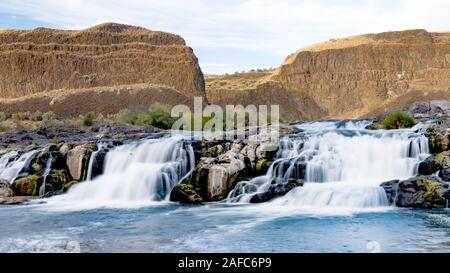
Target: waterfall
column 341, row 163
column 13, row 163
column 93, row 159
column 48, row 168
column 137, row 172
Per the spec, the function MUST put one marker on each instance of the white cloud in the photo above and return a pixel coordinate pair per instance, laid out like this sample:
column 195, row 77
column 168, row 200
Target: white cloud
column 277, row 27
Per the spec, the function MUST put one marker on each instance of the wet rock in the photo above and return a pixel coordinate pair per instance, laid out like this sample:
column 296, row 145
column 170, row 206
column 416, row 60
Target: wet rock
column 438, row 138
column 429, row 166
column 5, row 189
column 56, row 180
column 185, row 193
column 391, row 189
column 418, row 192
column 276, row 189
column 444, row 159
column 27, row 186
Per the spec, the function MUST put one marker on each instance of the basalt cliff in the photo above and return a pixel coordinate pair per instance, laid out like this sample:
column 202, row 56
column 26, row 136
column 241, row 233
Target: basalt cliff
column 42, row 67
column 349, row 77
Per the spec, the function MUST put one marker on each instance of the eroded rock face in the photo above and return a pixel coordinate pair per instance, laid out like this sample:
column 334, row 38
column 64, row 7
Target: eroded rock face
column 350, row 77
column 109, row 54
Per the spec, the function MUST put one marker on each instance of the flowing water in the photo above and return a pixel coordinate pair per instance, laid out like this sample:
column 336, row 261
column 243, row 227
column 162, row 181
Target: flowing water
column 340, row 208
column 12, row 164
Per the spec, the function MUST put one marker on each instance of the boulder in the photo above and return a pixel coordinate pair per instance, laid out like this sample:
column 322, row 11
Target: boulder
column 185, row 193
column 27, row 186
column 5, row 189
column 77, row 160
column 56, row 180
column 276, row 189
column 429, row 166
column 438, row 138
column 418, row 192
column 444, row 159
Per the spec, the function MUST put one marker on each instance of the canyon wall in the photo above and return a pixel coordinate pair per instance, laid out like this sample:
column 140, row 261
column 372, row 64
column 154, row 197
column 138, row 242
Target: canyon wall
column 351, row 77
column 110, row 54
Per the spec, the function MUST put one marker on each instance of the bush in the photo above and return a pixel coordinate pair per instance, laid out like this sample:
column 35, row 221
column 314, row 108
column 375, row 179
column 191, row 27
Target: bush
column 160, row 116
column 48, row 116
column 36, row 116
column 135, row 117
column 88, row 119
column 2, row 116
column 398, row 120
column 17, row 116
column 157, row 115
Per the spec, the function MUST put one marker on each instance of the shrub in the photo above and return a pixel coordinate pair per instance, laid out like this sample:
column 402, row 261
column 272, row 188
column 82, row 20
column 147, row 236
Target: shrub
column 48, row 116
column 398, row 120
column 4, row 128
column 17, row 116
column 135, row 117
column 88, row 119
column 36, row 116
column 2, row 116
column 160, row 116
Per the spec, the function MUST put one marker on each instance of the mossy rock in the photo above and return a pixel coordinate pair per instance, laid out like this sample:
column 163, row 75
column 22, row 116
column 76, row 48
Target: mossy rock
column 56, row 180
column 68, row 185
column 434, row 139
column 27, row 186
column 421, row 192
column 185, row 193
column 443, row 159
column 262, row 166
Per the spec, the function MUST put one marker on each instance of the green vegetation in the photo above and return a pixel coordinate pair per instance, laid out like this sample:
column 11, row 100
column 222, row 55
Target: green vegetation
column 48, row 116
column 88, row 119
column 157, row 115
column 398, row 120
column 36, row 142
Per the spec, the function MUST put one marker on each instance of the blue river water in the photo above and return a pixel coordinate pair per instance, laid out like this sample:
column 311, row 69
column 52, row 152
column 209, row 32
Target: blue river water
column 218, row 227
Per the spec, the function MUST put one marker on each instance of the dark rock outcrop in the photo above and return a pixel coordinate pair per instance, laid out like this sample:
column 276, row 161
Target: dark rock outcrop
column 429, row 166
column 418, row 192
column 275, row 190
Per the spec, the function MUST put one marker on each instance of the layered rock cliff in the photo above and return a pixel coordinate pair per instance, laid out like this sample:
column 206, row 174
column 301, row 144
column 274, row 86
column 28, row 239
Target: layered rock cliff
column 349, row 77
column 42, row 59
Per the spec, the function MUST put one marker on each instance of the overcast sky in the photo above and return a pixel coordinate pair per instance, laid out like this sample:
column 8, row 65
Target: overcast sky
column 231, row 35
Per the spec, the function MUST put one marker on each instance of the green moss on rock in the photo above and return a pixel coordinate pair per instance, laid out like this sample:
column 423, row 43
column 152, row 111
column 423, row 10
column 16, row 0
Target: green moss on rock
column 68, row 185
column 185, row 193
column 27, row 186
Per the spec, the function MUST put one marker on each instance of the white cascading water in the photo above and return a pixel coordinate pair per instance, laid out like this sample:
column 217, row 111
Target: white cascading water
column 48, row 168
column 138, row 172
column 100, row 146
column 342, row 165
column 11, row 164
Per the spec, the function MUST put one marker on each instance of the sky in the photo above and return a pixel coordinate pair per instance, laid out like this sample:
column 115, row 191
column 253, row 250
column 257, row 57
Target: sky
column 236, row 35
